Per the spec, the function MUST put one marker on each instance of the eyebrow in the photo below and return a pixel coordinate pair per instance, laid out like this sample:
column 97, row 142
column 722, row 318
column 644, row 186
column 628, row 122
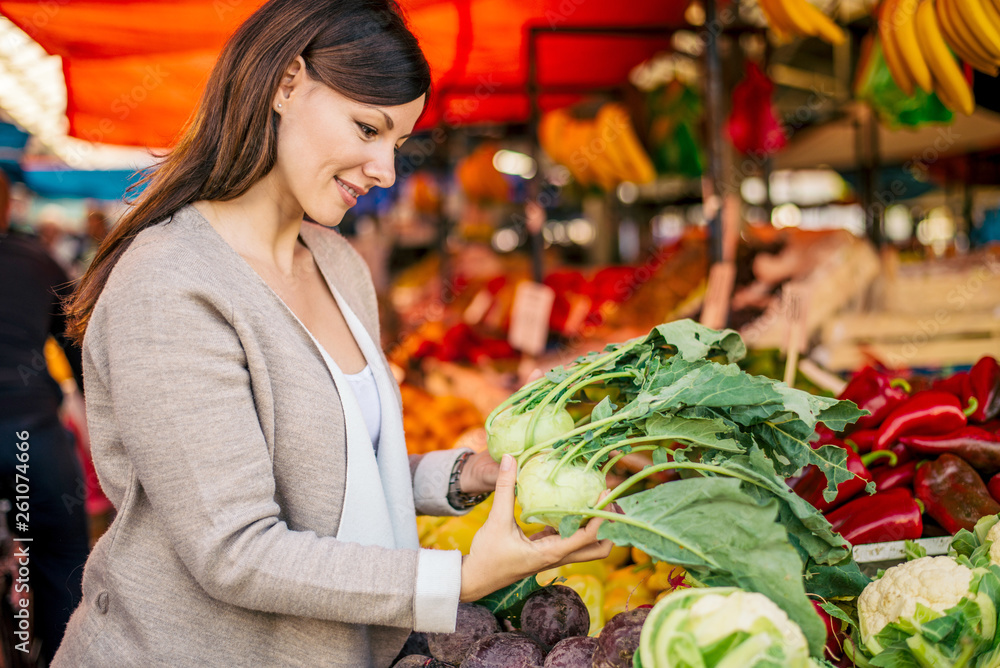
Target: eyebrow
column 388, row 119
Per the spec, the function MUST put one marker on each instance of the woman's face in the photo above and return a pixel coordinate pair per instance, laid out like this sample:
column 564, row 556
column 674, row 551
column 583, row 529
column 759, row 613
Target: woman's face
column 332, row 149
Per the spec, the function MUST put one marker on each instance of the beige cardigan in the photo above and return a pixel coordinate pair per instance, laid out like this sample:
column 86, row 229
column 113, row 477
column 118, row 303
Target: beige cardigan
column 219, row 437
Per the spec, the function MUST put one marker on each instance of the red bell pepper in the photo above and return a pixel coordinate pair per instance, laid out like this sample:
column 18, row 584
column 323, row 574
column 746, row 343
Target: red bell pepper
column 953, row 493
column 864, row 439
column 976, row 446
column 994, row 487
column 812, row 485
column 884, row 516
column 890, row 477
column 929, row 412
column 953, row 384
column 984, row 387
column 877, row 393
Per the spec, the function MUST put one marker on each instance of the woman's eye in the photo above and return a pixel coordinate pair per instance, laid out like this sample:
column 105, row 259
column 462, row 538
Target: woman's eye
column 367, row 130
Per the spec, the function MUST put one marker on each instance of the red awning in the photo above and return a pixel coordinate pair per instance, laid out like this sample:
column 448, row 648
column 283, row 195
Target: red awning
column 134, row 70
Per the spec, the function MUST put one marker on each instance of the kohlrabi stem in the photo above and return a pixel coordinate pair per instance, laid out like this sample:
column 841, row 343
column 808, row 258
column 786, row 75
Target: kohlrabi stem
column 614, row 460
column 571, row 392
column 592, row 462
column 535, row 449
column 582, row 421
column 574, row 451
column 514, row 398
column 529, row 435
column 650, row 470
column 623, row 519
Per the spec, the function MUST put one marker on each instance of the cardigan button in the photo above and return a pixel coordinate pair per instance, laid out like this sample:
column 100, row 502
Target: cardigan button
column 102, row 602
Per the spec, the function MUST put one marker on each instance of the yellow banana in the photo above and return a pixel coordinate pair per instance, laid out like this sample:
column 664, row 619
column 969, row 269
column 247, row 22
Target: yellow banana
column 640, row 165
column 904, row 24
column 780, row 21
column 967, row 50
column 947, row 73
column 781, row 30
column 791, row 12
column 822, row 25
column 610, row 132
column 974, row 17
column 891, row 51
column 992, row 13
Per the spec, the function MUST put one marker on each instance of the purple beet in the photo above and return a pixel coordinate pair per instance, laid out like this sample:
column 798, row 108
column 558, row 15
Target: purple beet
column 474, row 622
column 577, row 652
column 416, row 643
column 505, row 650
column 619, row 639
column 554, row 613
column 419, row 661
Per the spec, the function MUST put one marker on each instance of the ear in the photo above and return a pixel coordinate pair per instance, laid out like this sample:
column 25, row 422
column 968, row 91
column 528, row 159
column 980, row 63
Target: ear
column 292, row 81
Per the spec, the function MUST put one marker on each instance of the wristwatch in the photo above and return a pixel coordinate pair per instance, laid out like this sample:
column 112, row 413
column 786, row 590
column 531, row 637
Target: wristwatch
column 458, row 499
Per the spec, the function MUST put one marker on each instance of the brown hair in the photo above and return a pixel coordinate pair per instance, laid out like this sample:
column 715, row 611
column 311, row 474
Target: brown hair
column 360, row 48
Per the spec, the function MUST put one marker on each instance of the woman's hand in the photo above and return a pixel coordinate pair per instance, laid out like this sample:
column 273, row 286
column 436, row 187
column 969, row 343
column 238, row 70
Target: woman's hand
column 479, row 475
column 501, row 554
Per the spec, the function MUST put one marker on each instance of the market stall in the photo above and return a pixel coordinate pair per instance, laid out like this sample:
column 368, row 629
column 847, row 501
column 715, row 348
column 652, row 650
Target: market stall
column 749, row 246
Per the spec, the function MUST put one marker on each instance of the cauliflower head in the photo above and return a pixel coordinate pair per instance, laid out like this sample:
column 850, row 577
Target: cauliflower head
column 938, row 583
column 994, row 535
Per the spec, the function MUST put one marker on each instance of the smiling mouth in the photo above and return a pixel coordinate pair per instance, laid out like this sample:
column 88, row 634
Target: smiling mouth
column 354, row 193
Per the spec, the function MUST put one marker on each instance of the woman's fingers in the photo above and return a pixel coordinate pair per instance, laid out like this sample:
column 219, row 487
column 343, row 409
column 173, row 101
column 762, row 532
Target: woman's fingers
column 503, row 500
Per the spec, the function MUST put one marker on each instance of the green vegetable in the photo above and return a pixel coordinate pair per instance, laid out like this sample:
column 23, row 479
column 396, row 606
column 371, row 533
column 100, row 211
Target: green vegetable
column 678, row 393
column 576, row 486
column 930, row 612
column 721, row 627
column 509, row 433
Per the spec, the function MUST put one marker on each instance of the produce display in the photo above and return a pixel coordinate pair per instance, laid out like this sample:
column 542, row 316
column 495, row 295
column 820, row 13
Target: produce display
column 435, row 423
column 928, row 455
column 931, row 611
column 677, row 393
column 762, row 480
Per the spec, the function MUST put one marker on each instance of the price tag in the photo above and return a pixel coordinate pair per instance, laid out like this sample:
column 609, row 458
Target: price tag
column 715, row 310
column 529, row 317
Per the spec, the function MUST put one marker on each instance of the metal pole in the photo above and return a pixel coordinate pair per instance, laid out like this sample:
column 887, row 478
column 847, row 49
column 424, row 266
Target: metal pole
column 713, row 85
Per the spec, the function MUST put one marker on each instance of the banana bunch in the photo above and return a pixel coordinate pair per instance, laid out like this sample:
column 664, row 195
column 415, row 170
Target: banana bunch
column 604, row 151
column 791, row 18
column 916, row 34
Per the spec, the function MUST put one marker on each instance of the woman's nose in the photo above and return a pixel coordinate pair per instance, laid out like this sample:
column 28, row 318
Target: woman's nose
column 382, row 167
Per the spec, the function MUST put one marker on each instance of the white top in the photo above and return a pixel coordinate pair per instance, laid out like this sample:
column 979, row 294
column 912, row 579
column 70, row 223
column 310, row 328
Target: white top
column 380, row 496
column 366, row 392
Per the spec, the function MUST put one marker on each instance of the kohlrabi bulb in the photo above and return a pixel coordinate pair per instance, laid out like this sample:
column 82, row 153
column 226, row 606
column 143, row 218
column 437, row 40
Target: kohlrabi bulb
column 508, row 432
column 574, row 488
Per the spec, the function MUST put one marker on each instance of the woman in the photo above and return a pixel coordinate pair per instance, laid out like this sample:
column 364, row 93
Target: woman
column 236, row 396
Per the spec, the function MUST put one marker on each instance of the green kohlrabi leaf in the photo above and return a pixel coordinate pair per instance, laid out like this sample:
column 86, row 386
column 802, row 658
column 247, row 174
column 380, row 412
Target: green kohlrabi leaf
column 602, row 410
column 717, row 385
column 786, row 441
column 710, row 433
column 695, row 341
column 843, row 579
column 841, row 414
column 711, row 526
column 806, row 526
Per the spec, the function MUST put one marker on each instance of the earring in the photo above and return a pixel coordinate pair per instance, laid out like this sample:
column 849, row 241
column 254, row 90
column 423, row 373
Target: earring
column 279, row 105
